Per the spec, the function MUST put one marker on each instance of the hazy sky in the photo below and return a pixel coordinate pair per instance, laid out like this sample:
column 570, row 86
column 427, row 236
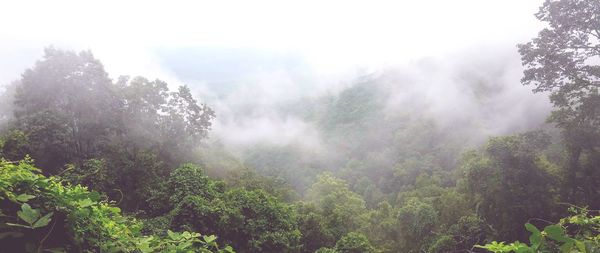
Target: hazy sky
column 330, row 37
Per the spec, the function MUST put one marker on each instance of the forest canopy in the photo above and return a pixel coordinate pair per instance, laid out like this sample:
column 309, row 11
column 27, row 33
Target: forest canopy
column 89, row 163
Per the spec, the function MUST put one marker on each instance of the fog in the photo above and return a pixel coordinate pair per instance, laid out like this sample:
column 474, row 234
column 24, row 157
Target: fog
column 451, row 61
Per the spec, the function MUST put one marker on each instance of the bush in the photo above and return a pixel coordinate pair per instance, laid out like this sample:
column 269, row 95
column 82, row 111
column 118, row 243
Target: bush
column 40, row 213
column 577, row 233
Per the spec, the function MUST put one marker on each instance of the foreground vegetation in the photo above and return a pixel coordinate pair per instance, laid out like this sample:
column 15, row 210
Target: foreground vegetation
column 92, row 164
column 43, row 214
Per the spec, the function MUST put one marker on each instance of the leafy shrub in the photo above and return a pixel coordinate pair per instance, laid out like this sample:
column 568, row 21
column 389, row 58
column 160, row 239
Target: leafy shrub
column 584, row 237
column 249, row 220
column 40, row 213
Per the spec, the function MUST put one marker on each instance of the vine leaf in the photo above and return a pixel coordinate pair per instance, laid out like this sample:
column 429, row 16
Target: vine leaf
column 536, row 236
column 24, row 197
column 42, row 222
column 28, row 214
column 556, row 232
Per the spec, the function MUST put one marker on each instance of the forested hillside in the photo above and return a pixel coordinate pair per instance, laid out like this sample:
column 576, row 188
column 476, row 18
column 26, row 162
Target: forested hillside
column 393, row 161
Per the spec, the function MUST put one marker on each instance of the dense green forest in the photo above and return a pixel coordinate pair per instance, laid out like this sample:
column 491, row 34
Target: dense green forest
column 91, row 164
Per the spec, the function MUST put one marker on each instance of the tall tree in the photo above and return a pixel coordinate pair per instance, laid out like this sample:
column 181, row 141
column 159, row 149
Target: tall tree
column 67, row 100
column 343, row 210
column 563, row 60
column 171, row 122
column 68, row 111
column 509, row 183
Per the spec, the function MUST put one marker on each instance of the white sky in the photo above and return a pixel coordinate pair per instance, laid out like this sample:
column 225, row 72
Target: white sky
column 330, row 35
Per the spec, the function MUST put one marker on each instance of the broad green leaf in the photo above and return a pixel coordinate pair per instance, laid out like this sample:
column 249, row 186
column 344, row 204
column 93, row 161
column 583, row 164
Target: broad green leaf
column 42, row 222
column 536, row 236
column 172, row 235
column 144, row 247
column 114, row 209
column 519, row 247
column 28, row 214
column 185, row 245
column 209, row 239
column 566, row 248
column 556, row 232
column 580, row 246
column 24, row 197
column 85, row 202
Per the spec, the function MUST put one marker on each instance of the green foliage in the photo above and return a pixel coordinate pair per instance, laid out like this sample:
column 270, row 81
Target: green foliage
column 7, row 97
column 558, row 60
column 282, row 161
column 352, row 111
column 189, row 179
column 467, row 231
column 14, row 145
column 326, row 250
column 577, row 233
column 40, row 213
column 561, row 61
column 444, row 243
column 133, row 177
column 507, row 185
column 92, row 173
column 251, row 180
column 343, row 210
column 315, row 230
column 452, row 206
column 382, row 227
column 199, row 214
column 393, row 187
column 66, row 106
column 351, row 243
column 416, row 220
column 249, row 220
column 354, row 243
column 70, row 115
column 269, row 224
column 31, row 216
column 154, row 116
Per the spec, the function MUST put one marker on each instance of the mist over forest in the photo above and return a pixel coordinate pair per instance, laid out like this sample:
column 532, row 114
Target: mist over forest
column 338, row 127
column 458, row 104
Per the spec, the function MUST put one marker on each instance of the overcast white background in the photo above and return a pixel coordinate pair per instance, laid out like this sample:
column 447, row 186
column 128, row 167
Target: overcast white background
column 331, row 36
